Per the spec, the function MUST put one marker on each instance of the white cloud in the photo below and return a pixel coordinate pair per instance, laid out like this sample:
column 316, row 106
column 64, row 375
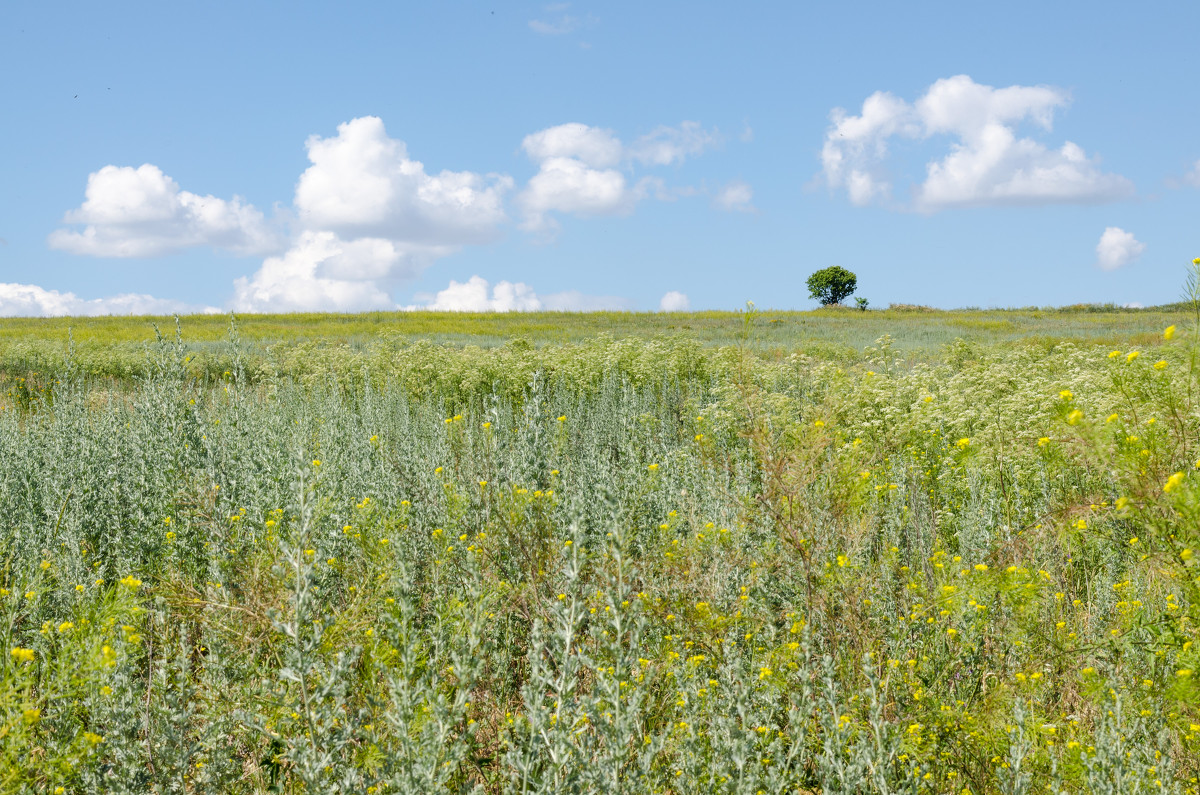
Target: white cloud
column 323, row 272
column 1117, row 248
column 564, row 184
column 988, row 163
column 592, row 146
column 366, row 216
column 477, row 295
column 999, row 168
column 855, row 145
column 674, row 301
column 960, row 106
column 29, row 300
column 363, row 184
column 558, row 22
column 370, row 217
column 578, row 170
column 736, row 196
column 557, row 27
column 666, row 145
column 1193, row 177
column 141, row 212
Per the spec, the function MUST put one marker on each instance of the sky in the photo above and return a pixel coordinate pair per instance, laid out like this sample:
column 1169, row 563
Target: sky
column 280, row 157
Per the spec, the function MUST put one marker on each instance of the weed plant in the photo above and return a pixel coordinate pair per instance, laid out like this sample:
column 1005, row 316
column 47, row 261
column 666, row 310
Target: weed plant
column 613, row 566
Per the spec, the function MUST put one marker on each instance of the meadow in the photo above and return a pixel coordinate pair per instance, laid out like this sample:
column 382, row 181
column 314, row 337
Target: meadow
column 897, row 551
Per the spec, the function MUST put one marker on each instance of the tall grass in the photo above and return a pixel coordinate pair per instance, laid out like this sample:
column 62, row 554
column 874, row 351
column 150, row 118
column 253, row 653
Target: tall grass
column 603, row 566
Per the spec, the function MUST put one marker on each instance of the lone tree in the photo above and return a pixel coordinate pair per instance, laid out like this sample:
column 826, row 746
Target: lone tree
column 832, row 285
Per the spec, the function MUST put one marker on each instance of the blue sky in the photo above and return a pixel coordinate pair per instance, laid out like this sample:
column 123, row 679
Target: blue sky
column 277, row 157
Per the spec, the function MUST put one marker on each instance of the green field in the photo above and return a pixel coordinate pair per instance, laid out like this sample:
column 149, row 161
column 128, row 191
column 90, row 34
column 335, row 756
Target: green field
column 116, row 346
column 894, row 551
column 920, row 326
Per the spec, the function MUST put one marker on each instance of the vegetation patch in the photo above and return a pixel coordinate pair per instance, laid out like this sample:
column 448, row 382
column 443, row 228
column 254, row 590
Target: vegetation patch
column 765, row 560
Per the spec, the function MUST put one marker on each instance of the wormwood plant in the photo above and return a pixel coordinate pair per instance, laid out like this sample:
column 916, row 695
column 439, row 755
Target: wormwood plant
column 609, row 566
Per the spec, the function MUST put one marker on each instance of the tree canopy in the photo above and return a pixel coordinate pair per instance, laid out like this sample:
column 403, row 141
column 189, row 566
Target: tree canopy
column 832, row 285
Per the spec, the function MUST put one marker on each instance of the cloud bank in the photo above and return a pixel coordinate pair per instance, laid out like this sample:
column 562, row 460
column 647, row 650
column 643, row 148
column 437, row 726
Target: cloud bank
column 988, row 162
column 29, row 300
column 477, row 295
column 367, row 217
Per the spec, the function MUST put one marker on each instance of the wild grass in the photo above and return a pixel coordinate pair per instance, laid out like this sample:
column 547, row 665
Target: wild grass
column 116, row 347
column 912, row 326
column 636, row 563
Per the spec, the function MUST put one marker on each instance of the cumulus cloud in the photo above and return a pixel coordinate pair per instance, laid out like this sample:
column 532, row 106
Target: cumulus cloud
column 988, row 162
column 141, row 212
column 29, row 300
column 477, row 295
column 362, row 183
column 855, row 146
column 564, row 184
column 736, row 196
column 321, row 271
column 366, row 216
column 1117, row 248
column 592, row 146
column 674, row 301
column 370, row 217
column 580, row 169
